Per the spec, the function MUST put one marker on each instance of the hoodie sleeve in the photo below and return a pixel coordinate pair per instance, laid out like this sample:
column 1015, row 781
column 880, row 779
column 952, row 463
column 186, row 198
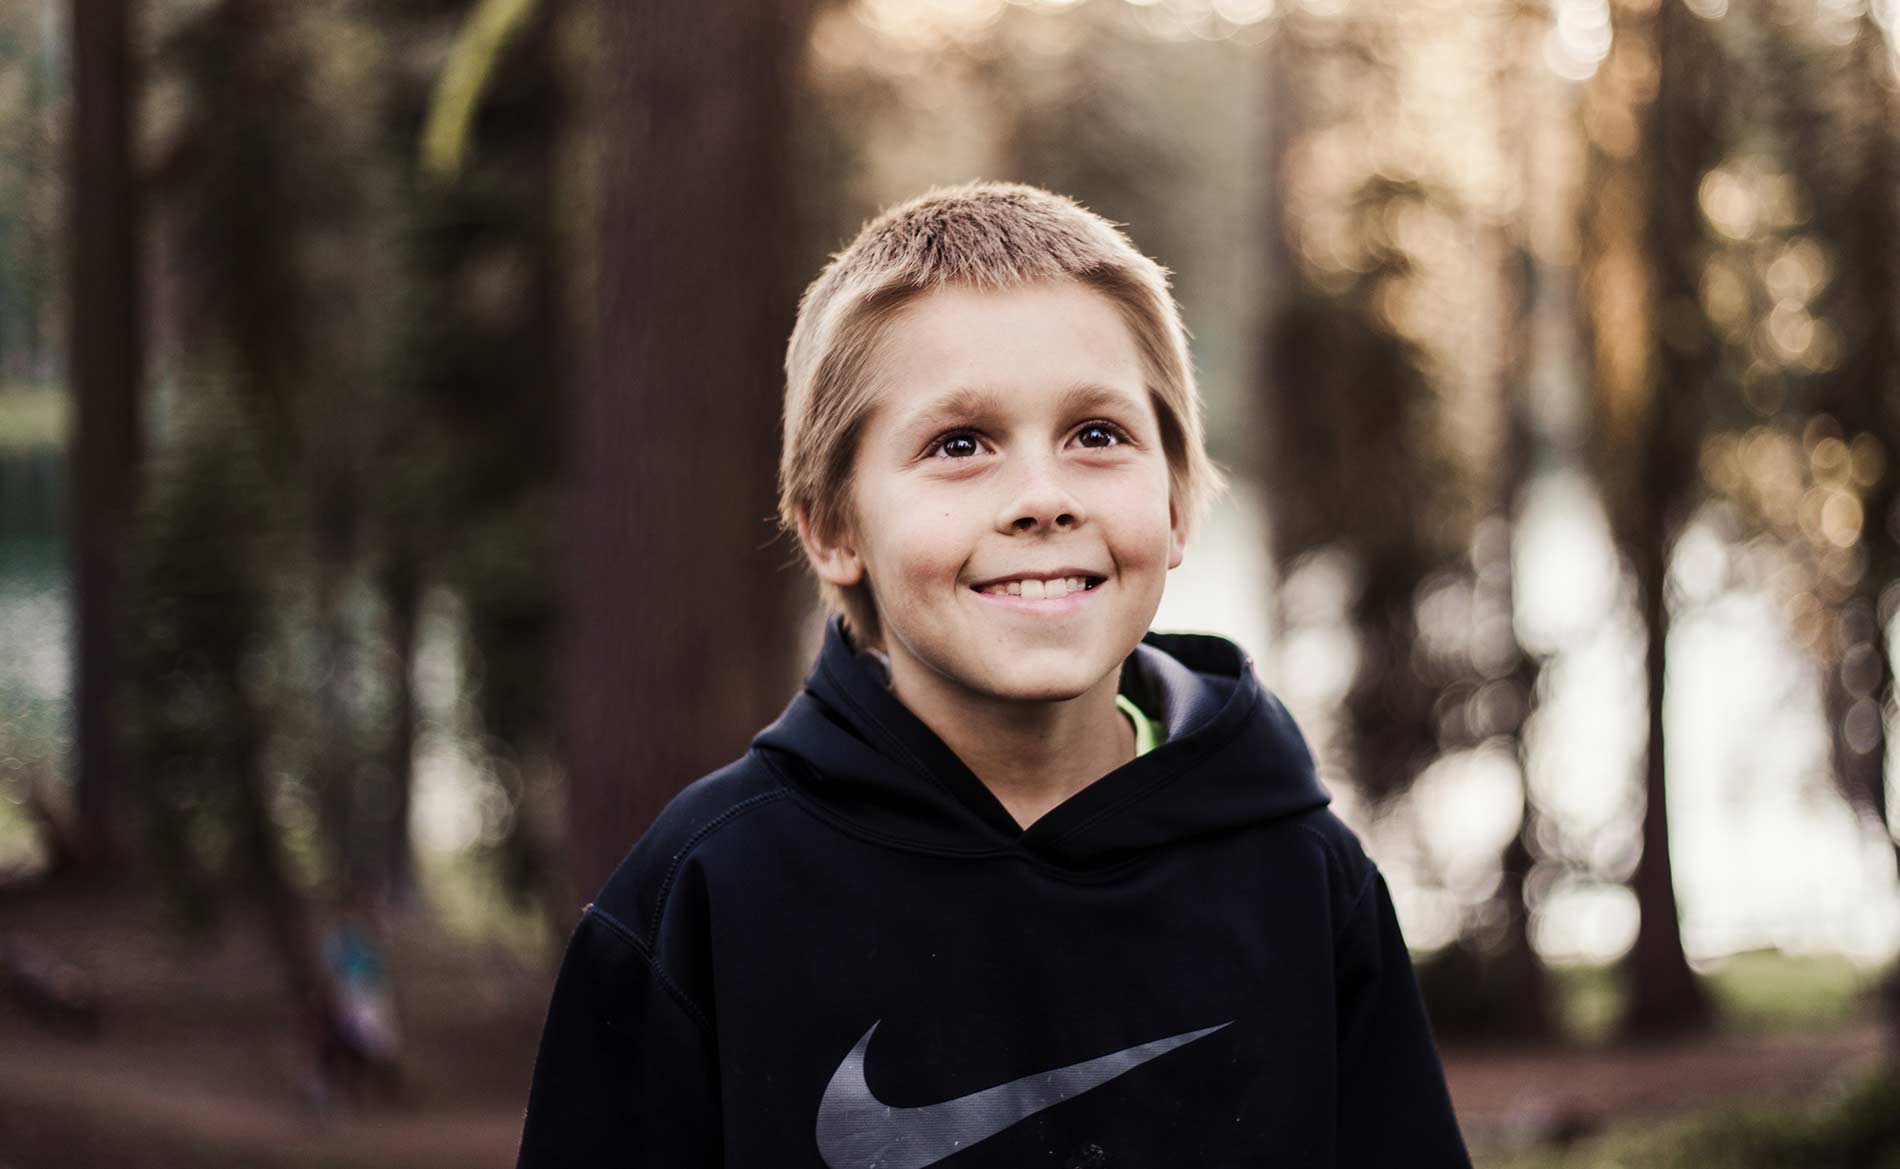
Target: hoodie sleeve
column 1394, row 1108
column 625, row 1074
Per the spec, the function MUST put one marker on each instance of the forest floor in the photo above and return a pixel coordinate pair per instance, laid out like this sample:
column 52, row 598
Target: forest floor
column 1509, row 1100
column 197, row 1061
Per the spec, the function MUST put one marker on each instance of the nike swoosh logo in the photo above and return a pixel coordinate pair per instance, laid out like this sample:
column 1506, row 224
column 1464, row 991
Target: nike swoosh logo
column 856, row 1130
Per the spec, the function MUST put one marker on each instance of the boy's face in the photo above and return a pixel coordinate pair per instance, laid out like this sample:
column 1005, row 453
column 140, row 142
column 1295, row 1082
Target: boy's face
column 1013, row 450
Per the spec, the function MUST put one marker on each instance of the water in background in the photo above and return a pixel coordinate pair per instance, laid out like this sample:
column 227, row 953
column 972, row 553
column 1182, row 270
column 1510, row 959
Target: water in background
column 35, row 639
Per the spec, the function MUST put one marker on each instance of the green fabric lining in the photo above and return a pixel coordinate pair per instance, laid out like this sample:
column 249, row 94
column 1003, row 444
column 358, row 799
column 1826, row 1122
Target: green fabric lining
column 1147, row 731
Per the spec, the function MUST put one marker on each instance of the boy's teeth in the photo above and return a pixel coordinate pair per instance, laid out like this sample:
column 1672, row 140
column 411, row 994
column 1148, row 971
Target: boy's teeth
column 1041, row 590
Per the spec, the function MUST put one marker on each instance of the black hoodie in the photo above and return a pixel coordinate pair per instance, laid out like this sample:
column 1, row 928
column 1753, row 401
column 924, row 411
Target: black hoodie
column 841, row 952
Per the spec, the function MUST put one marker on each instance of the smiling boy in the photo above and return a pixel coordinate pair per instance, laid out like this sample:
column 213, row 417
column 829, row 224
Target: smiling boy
column 1012, row 881
column 1012, row 506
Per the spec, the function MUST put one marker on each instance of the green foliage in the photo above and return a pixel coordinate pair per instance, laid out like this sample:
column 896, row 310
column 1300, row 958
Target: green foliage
column 33, row 103
column 21, row 848
column 194, row 613
column 1767, row 990
column 472, row 900
column 1755, row 991
column 32, row 417
column 445, row 137
column 1589, row 999
column 480, row 362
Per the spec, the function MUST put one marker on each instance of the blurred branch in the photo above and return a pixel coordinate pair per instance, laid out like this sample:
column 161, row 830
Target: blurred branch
column 445, row 135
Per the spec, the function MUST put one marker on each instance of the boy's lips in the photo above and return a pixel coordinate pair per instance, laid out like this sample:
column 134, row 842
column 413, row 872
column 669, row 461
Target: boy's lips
column 1042, row 606
column 1044, row 592
column 1066, row 573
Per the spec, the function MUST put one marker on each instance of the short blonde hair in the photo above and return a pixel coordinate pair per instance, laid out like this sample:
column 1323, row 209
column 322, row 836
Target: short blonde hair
column 985, row 235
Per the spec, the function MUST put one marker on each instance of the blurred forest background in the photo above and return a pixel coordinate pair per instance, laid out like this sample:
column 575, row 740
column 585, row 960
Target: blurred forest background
column 388, row 422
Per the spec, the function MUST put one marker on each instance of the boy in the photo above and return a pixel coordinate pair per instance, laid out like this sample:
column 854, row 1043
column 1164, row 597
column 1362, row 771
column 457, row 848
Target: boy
column 1012, row 881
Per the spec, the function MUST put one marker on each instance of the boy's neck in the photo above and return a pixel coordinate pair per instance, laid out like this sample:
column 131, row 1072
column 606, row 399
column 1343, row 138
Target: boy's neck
column 1031, row 755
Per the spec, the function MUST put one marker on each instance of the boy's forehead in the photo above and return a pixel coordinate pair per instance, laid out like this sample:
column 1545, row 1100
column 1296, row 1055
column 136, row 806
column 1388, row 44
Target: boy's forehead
column 982, row 401
column 975, row 348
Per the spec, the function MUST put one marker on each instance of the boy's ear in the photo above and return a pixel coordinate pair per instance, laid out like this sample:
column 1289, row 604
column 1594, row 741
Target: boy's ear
column 1177, row 535
column 836, row 562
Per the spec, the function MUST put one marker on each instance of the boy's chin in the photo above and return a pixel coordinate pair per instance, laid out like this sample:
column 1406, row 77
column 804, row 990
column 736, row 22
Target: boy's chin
column 1053, row 681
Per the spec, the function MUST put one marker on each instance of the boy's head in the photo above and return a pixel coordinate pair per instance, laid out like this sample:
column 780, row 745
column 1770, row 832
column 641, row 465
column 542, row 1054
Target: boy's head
column 1049, row 350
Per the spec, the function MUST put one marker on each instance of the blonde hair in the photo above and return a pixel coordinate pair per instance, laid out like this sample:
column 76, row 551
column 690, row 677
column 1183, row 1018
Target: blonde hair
column 985, row 235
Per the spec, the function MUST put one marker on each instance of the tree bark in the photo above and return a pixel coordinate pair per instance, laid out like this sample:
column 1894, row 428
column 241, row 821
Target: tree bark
column 1349, row 466
column 1868, row 383
column 1864, row 397
column 1664, row 996
column 1680, row 141
column 105, row 365
column 680, row 600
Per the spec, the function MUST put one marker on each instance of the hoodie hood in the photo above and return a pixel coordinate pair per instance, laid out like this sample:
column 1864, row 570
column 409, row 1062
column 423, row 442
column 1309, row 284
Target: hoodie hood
column 1232, row 758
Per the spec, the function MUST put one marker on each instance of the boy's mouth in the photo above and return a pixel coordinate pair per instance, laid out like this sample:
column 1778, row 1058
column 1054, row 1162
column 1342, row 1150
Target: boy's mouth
column 1039, row 588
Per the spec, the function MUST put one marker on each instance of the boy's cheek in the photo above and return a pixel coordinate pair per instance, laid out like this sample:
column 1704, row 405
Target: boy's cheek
column 924, row 561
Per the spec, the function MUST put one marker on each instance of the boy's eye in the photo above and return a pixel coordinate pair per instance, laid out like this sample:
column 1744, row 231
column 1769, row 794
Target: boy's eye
column 956, row 446
column 1100, row 434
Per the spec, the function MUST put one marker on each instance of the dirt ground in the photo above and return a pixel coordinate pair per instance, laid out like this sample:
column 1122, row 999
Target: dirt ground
column 197, row 1063
column 1511, row 1098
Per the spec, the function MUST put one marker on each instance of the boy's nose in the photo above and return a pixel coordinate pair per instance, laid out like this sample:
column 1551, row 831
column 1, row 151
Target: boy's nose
column 1042, row 500
column 1026, row 523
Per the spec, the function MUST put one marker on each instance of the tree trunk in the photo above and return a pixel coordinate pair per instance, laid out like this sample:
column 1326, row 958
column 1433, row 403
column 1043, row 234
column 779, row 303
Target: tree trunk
column 1349, row 465
column 1680, row 142
column 1279, row 284
column 1865, row 397
column 1869, row 383
column 680, row 600
column 1664, row 996
column 104, row 363
column 402, row 587
column 287, row 915
column 333, row 771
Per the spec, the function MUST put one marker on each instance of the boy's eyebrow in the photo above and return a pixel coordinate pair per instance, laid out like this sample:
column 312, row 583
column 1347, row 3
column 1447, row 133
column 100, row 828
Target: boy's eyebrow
column 967, row 402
